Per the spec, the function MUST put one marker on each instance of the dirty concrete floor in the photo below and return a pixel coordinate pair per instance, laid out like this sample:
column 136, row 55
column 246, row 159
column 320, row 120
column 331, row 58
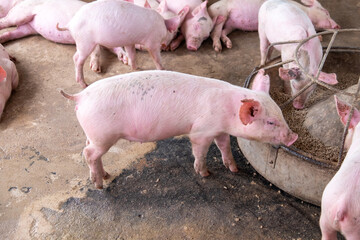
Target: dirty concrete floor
column 153, row 192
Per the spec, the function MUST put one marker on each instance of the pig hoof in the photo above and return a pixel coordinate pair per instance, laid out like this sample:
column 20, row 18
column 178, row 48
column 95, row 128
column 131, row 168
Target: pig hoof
column 107, row 176
column 233, row 169
column 96, row 68
column 83, row 85
column 99, row 186
column 204, row 173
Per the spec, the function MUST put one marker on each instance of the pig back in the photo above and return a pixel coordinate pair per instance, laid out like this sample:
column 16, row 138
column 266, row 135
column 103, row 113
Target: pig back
column 115, row 23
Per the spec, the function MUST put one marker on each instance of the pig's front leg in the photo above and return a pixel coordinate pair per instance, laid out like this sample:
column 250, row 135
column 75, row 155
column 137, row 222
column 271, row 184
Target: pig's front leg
column 216, row 33
column 19, row 32
column 95, row 56
column 131, row 53
column 223, row 143
column 200, row 147
column 327, row 232
column 176, row 42
column 93, row 156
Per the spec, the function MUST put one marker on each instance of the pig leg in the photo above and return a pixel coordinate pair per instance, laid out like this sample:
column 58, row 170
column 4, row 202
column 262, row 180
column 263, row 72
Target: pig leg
column 19, row 32
column 16, row 17
column 223, row 143
column 264, row 44
column 155, row 54
column 215, row 35
column 82, row 52
column 93, row 156
column 131, row 53
column 224, row 37
column 95, row 59
column 176, row 42
column 121, row 54
column 327, row 232
column 200, row 147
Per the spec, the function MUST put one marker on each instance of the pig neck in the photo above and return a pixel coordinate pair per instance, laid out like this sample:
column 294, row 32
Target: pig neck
column 304, row 8
column 352, row 159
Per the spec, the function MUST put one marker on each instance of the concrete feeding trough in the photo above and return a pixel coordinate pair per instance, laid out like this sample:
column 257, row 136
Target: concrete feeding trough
column 304, row 169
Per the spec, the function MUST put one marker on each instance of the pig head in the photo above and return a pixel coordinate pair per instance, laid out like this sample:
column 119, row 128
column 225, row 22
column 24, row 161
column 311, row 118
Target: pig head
column 319, row 16
column 197, row 26
column 340, row 208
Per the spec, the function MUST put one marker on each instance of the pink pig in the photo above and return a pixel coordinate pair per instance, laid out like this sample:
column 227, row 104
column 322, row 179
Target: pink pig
column 295, row 25
column 153, row 105
column 243, row 15
column 340, row 204
column 40, row 17
column 113, row 24
column 9, row 78
column 197, row 25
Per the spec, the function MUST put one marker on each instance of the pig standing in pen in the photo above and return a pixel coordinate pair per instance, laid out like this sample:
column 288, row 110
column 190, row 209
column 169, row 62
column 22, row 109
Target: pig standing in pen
column 113, row 24
column 281, row 21
column 9, row 78
column 153, row 105
column 243, row 15
column 340, row 204
column 40, row 17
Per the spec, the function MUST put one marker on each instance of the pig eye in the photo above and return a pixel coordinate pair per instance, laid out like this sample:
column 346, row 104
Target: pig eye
column 270, row 123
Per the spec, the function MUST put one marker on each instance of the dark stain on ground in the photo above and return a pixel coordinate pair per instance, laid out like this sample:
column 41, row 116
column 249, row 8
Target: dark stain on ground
column 167, row 200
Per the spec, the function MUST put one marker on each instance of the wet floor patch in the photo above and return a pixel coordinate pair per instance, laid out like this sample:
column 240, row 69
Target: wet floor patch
column 165, row 199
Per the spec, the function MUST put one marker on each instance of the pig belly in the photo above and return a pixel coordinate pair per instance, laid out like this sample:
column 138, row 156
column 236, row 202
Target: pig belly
column 242, row 20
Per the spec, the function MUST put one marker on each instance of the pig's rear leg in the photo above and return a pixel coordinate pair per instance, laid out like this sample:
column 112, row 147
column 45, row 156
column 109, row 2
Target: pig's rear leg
column 93, row 156
column 82, row 52
column 223, row 143
column 19, row 32
column 264, row 44
column 224, row 38
column 216, row 34
column 200, row 147
column 155, row 54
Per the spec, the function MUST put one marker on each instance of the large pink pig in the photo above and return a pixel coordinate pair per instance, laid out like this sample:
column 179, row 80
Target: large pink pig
column 197, row 25
column 113, row 24
column 340, row 204
column 40, row 17
column 153, row 105
column 243, row 15
column 280, row 21
column 9, row 78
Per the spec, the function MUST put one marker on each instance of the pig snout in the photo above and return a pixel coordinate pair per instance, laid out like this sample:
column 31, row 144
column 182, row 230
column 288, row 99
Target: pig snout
column 298, row 104
column 289, row 138
column 193, row 44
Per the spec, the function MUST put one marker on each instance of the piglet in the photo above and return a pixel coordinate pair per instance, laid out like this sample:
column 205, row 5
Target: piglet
column 243, row 15
column 114, row 23
column 153, row 105
column 9, row 78
column 281, row 21
column 40, row 17
column 340, row 204
column 197, row 24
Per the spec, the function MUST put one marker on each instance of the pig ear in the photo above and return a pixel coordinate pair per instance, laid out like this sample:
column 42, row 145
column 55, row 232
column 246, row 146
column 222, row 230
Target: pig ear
column 183, row 12
column 288, row 74
column 261, row 82
column 343, row 109
column 162, row 7
column 200, row 9
column 172, row 24
column 308, row 3
column 3, row 74
column 147, row 5
column 249, row 111
column 329, row 78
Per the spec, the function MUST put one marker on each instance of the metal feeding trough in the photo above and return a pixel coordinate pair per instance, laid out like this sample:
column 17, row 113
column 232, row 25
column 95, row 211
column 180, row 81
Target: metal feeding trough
column 294, row 170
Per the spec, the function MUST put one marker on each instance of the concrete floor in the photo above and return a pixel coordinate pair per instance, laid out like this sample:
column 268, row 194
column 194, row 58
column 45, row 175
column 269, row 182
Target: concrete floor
column 153, row 192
